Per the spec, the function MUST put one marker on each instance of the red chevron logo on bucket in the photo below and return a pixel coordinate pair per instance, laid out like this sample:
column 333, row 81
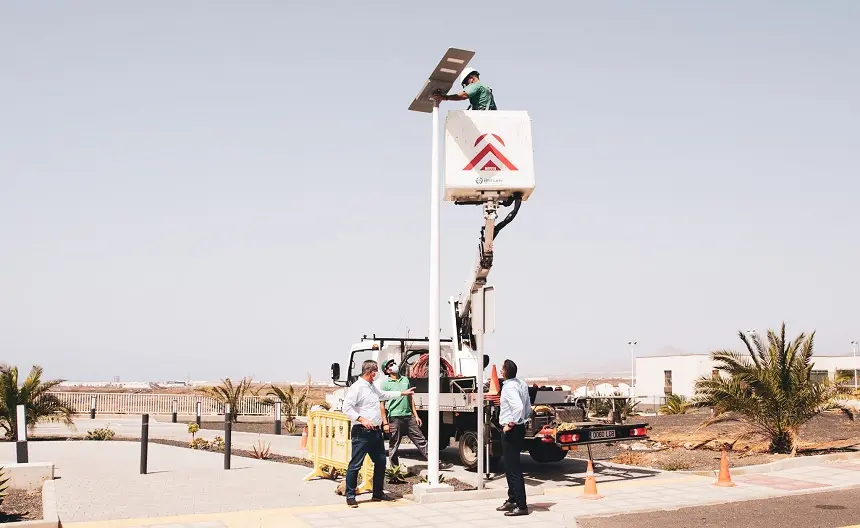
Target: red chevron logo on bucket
column 490, row 156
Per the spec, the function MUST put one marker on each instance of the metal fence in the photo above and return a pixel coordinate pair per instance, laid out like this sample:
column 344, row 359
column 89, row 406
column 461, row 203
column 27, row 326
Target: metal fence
column 125, row 403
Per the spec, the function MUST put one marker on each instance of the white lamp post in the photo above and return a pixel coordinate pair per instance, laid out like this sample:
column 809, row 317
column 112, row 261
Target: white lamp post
column 854, row 345
column 632, row 345
column 441, row 80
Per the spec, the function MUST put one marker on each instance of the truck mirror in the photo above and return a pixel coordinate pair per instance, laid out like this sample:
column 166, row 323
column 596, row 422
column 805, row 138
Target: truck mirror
column 486, row 360
column 335, row 371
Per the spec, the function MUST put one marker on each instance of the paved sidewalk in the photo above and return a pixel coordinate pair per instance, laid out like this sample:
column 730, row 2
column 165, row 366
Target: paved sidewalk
column 560, row 506
column 102, row 480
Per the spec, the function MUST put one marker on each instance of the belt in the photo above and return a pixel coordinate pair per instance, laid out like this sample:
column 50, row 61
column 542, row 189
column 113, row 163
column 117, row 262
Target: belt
column 374, row 428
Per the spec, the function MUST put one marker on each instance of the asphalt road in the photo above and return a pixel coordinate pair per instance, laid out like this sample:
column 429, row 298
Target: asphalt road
column 833, row 509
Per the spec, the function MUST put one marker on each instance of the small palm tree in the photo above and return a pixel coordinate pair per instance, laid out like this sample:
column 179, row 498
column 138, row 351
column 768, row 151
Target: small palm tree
column 40, row 405
column 675, row 404
column 771, row 391
column 227, row 393
column 293, row 403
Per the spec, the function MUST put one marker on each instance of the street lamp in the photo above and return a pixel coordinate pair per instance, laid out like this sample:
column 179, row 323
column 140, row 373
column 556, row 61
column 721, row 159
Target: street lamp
column 854, row 345
column 441, row 80
column 632, row 345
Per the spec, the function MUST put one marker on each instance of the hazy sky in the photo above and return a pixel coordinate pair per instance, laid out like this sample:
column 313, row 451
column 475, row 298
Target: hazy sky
column 230, row 188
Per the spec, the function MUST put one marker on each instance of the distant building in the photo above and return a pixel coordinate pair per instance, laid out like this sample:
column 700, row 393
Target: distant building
column 661, row 375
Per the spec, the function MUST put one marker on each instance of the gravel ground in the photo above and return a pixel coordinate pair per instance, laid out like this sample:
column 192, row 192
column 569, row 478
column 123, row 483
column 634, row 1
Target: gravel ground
column 824, row 434
column 21, row 505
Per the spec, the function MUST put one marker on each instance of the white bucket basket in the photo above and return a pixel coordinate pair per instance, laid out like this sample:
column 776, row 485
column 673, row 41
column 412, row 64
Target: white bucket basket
column 488, row 155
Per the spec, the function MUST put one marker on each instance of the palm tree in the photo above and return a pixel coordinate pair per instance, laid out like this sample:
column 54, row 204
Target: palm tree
column 292, row 403
column 40, row 405
column 227, row 393
column 675, row 404
column 770, row 391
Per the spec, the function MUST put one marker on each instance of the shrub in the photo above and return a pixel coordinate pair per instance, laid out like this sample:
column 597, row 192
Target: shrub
column 199, row 443
column 396, row 474
column 217, row 444
column 193, row 428
column 4, row 483
column 102, row 433
column 675, row 404
column 260, row 451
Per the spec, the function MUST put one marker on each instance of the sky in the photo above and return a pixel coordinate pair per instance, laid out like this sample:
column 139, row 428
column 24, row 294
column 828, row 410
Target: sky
column 213, row 189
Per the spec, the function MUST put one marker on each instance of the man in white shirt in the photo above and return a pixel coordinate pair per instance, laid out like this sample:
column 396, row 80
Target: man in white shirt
column 515, row 410
column 361, row 404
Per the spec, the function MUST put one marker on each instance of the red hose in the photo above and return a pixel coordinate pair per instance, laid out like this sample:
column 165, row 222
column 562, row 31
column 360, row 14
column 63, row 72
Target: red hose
column 420, row 367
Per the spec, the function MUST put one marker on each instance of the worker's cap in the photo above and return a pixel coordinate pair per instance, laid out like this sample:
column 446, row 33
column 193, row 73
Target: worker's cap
column 468, row 72
column 389, row 365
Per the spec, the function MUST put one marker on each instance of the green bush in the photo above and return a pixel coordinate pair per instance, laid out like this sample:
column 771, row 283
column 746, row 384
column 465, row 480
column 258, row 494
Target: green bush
column 102, row 433
column 199, row 443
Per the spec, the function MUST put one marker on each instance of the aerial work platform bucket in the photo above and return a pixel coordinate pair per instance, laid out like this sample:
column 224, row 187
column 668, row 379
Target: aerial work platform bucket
column 488, row 155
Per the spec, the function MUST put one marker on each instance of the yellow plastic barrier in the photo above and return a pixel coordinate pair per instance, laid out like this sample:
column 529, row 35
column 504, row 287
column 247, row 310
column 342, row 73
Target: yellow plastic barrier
column 330, row 444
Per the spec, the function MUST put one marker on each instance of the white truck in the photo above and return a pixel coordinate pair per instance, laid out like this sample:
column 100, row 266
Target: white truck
column 558, row 422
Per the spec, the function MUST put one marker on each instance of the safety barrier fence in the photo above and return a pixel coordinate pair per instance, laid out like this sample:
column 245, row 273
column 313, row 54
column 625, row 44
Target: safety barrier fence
column 127, row 403
column 330, row 447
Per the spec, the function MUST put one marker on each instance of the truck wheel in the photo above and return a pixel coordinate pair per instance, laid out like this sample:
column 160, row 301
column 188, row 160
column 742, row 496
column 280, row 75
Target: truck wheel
column 468, row 449
column 545, row 453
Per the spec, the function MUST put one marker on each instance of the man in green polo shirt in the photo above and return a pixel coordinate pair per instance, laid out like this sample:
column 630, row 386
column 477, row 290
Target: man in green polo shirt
column 400, row 417
column 480, row 95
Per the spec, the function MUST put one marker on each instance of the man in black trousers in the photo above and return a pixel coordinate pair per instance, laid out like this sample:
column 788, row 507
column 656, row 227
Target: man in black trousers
column 361, row 404
column 515, row 409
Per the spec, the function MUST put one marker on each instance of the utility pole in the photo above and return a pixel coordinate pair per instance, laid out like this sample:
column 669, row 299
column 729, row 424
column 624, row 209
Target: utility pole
column 442, row 79
column 632, row 345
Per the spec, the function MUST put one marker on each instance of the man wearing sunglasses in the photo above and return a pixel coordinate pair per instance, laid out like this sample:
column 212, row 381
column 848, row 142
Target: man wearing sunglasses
column 399, row 416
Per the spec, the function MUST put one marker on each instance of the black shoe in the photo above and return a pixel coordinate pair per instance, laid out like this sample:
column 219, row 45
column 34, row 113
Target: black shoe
column 517, row 511
column 351, row 503
column 506, row 507
column 382, row 497
column 445, row 465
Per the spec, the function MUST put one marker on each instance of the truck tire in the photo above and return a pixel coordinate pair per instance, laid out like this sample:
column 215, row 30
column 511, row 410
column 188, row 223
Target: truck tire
column 546, row 453
column 468, row 449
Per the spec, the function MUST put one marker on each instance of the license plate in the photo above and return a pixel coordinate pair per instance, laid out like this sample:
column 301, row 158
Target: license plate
column 598, row 435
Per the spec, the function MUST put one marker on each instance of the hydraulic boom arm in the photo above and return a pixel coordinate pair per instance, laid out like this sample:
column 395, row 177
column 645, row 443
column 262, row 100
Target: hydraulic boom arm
column 484, row 262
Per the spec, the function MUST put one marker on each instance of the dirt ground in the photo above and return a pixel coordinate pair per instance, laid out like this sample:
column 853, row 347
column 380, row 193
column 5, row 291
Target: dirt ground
column 258, row 427
column 678, row 444
column 21, row 505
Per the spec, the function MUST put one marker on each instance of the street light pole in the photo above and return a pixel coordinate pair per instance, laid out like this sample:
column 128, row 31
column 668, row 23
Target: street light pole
column 440, row 81
column 854, row 345
column 435, row 347
column 632, row 345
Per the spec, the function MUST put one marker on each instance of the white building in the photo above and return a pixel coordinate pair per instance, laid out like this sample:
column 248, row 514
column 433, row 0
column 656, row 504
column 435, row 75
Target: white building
column 662, row 375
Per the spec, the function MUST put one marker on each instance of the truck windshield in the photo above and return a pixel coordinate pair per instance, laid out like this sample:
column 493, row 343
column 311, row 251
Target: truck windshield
column 358, row 357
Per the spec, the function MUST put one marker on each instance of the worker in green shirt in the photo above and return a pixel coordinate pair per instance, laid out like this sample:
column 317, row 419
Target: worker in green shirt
column 480, row 95
column 400, row 417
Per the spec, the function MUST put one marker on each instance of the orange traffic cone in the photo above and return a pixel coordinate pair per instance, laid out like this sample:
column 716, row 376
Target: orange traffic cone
column 590, row 484
column 304, row 444
column 494, row 393
column 724, row 480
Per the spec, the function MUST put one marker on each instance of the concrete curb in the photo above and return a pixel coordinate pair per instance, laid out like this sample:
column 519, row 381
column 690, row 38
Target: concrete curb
column 50, row 519
column 457, row 496
column 779, row 465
